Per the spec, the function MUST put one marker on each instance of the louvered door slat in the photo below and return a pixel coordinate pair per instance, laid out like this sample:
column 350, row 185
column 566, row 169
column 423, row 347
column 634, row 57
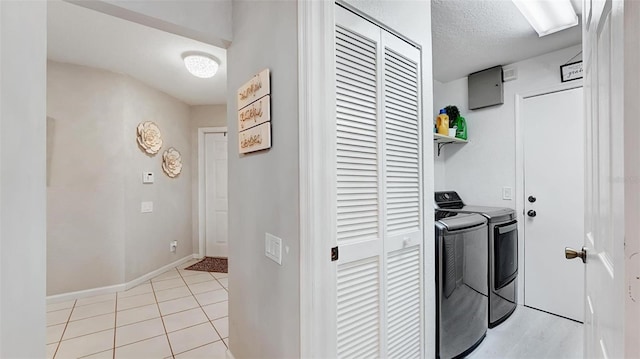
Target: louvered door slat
column 402, row 141
column 403, row 303
column 358, row 325
column 356, row 75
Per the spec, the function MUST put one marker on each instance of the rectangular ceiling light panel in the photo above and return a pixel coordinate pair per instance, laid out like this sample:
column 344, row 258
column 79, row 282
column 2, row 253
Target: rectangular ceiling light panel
column 548, row 16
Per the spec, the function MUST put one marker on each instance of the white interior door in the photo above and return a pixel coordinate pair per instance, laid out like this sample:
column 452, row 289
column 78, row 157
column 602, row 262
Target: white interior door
column 554, row 180
column 216, row 238
column 378, row 192
column 604, row 193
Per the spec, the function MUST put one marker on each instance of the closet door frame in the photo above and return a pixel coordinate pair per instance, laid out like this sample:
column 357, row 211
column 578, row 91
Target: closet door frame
column 317, row 104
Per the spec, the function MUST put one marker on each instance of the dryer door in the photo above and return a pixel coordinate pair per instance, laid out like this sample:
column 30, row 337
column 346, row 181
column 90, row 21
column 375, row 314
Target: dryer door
column 505, row 254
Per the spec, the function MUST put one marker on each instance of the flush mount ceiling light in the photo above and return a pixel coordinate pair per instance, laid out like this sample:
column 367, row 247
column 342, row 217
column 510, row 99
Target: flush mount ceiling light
column 548, row 16
column 200, row 64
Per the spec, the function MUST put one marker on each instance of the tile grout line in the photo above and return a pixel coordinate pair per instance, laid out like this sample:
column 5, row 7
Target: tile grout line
column 166, row 334
column 205, row 313
column 115, row 327
column 65, row 329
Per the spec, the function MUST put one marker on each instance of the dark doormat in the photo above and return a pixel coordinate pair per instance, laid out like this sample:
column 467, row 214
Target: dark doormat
column 211, row 264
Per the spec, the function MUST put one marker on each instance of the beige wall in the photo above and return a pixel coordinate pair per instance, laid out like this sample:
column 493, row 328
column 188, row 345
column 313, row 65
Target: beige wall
column 96, row 235
column 85, row 195
column 148, row 235
column 201, row 116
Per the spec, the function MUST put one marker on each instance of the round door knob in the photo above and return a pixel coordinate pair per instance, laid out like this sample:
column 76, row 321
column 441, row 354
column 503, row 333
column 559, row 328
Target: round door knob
column 532, row 199
column 531, row 213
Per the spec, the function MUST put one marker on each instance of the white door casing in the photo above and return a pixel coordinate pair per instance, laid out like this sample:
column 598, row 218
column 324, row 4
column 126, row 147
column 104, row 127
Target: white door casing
column 554, row 174
column 212, row 191
column 379, row 192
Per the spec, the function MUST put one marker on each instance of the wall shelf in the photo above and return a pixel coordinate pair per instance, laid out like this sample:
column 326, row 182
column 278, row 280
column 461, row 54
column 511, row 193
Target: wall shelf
column 442, row 140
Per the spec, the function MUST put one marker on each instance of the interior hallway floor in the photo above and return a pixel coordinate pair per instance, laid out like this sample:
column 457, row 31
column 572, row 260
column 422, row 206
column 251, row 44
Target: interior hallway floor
column 530, row 333
column 178, row 314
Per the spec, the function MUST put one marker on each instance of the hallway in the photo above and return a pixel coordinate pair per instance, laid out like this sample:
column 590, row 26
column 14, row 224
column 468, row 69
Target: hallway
column 178, row 314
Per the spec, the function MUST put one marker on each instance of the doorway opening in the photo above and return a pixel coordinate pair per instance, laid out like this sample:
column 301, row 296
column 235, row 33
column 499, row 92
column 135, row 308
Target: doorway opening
column 123, row 117
column 487, row 167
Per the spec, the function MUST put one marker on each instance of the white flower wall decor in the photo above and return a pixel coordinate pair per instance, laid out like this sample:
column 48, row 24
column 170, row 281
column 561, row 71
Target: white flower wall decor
column 172, row 162
column 149, row 137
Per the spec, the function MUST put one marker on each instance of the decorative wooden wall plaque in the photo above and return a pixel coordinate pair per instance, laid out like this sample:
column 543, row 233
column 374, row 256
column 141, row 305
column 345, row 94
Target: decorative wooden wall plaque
column 255, row 139
column 254, row 114
column 253, row 90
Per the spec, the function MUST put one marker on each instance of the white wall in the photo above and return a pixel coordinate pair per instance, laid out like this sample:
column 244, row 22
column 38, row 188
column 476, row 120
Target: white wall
column 413, row 20
column 208, row 21
column 479, row 169
column 439, row 183
column 23, row 45
column 264, row 299
column 201, row 116
column 96, row 233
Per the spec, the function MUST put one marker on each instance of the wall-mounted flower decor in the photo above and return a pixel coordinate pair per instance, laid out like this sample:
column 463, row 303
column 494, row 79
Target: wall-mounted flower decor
column 172, row 162
column 149, row 137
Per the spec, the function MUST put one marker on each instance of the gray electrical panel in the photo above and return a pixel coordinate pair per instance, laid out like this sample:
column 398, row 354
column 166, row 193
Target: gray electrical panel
column 485, row 88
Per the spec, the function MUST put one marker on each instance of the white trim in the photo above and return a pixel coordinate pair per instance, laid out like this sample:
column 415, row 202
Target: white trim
column 117, row 287
column 316, row 98
column 229, row 354
column 520, row 194
column 201, row 203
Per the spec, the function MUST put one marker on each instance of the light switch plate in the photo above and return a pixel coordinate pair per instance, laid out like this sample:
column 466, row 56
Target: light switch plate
column 147, row 177
column 273, row 248
column 507, row 193
column 146, row 207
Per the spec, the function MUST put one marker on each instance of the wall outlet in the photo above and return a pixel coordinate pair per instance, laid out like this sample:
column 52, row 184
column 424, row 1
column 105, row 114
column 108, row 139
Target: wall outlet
column 507, row 193
column 146, row 207
column 173, row 246
column 147, row 177
column 273, row 248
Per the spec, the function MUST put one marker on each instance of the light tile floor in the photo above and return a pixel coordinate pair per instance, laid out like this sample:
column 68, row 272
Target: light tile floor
column 178, row 314
column 530, row 333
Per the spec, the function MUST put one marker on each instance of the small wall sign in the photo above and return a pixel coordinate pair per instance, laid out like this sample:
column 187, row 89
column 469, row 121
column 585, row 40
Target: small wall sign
column 254, row 89
column 570, row 72
column 254, row 114
column 255, row 139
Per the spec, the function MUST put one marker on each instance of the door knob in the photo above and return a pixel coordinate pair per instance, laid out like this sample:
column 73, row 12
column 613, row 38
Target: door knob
column 570, row 253
column 532, row 199
column 531, row 213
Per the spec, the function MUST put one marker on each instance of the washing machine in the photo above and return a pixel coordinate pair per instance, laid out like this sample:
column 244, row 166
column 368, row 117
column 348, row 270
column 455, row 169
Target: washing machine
column 502, row 232
column 461, row 283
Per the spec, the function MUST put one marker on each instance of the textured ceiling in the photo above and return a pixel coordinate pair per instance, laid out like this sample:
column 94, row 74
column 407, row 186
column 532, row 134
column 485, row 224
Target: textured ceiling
column 472, row 35
column 86, row 37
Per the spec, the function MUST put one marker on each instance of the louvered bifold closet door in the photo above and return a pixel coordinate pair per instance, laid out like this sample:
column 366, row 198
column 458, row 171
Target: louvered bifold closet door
column 403, row 198
column 358, row 232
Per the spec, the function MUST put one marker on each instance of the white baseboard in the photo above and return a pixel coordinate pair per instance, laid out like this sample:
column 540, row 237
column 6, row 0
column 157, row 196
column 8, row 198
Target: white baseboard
column 229, row 355
column 117, row 287
column 157, row 272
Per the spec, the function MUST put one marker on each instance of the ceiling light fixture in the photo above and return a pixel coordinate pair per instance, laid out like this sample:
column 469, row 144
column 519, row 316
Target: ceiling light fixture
column 200, row 64
column 548, row 16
